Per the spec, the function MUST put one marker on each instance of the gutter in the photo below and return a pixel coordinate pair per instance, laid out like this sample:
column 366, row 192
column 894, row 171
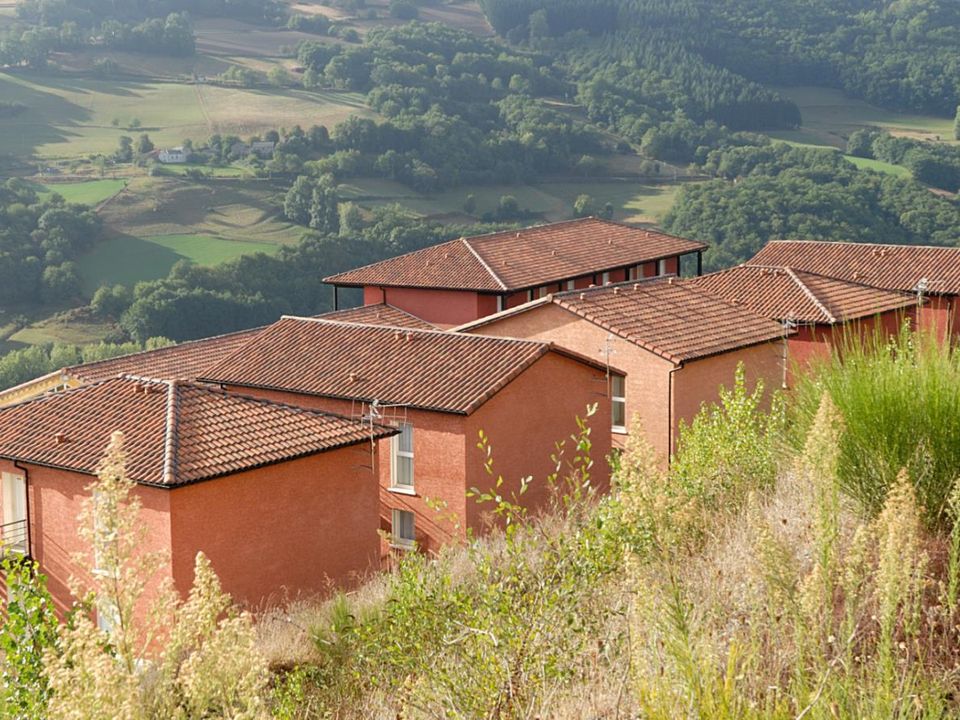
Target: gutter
column 670, row 443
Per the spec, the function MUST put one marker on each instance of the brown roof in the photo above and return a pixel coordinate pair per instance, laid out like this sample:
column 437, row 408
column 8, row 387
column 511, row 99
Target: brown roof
column 782, row 293
column 427, row 369
column 380, row 314
column 891, row 267
column 669, row 317
column 176, row 362
column 175, row 432
column 519, row 259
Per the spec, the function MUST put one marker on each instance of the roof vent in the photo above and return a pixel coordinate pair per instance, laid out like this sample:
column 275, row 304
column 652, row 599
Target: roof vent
column 428, row 263
column 856, row 275
column 591, row 285
column 553, row 253
column 670, row 280
column 446, row 256
column 583, row 296
column 60, row 437
column 616, row 291
column 610, row 241
column 636, row 286
column 354, row 377
column 518, row 234
column 398, row 334
column 409, row 336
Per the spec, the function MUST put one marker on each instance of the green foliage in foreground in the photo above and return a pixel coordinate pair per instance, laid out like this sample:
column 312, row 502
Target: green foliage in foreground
column 901, row 403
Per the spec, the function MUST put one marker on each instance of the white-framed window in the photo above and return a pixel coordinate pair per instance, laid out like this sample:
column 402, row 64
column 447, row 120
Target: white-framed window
column 633, row 273
column 404, row 529
column 541, row 292
column 108, row 617
column 501, row 303
column 605, row 278
column 662, row 267
column 571, row 284
column 14, row 512
column 618, row 402
column 401, row 464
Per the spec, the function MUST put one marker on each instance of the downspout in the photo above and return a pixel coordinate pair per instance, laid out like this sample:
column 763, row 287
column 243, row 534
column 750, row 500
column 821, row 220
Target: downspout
column 26, row 492
column 383, row 295
column 699, row 263
column 336, row 297
column 670, row 412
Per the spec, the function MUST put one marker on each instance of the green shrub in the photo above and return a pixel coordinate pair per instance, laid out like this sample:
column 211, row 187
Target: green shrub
column 900, row 403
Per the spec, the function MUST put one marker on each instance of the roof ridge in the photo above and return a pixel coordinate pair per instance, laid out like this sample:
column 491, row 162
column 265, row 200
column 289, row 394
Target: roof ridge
column 810, row 295
column 843, row 281
column 423, row 331
column 486, row 265
column 165, row 349
column 903, row 246
column 393, row 257
column 171, row 434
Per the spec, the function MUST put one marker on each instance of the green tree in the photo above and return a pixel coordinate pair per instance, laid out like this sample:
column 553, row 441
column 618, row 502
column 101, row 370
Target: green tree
column 584, row 206
column 324, row 211
column 124, row 152
column 144, row 144
column 351, row 220
column 296, row 203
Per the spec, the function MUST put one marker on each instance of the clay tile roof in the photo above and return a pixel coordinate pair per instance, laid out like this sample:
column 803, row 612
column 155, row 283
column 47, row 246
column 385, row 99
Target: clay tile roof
column 382, row 314
column 781, row 293
column 426, row 369
column 175, row 433
column 518, row 259
column 176, row 362
column 891, row 267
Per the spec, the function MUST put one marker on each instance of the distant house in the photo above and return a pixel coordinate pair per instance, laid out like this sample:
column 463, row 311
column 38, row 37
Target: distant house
column 462, row 280
column 440, row 390
column 823, row 309
column 928, row 272
column 239, row 150
column 281, row 499
column 172, row 155
column 262, row 149
column 674, row 343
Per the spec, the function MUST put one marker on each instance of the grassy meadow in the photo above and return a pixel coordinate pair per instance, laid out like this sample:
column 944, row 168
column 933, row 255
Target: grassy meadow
column 128, row 260
column 633, row 202
column 829, row 117
column 88, row 192
column 71, row 117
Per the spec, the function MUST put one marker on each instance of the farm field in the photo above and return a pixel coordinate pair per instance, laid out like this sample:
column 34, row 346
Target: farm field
column 632, row 202
column 90, row 192
column 879, row 166
column 70, row 117
column 245, row 210
column 829, row 117
column 127, row 260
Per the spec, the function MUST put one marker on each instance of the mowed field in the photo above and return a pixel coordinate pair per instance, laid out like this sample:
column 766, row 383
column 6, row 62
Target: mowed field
column 90, row 192
column 632, row 202
column 70, row 117
column 829, row 117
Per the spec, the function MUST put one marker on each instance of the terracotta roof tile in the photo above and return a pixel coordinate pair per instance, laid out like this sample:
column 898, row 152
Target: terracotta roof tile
column 176, row 362
column 175, row 432
column 380, row 314
column 519, row 259
column 426, row 369
column 669, row 317
column 782, row 293
column 891, row 267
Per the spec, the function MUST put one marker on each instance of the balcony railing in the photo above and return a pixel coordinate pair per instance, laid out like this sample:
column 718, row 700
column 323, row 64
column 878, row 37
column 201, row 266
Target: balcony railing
column 14, row 538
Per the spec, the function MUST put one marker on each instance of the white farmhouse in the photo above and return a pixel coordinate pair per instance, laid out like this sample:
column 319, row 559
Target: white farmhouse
column 173, row 155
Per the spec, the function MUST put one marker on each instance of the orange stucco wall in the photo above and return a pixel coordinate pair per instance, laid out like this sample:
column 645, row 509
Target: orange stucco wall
column 296, row 528
column 653, row 404
column 523, row 424
column 647, row 375
column 54, row 498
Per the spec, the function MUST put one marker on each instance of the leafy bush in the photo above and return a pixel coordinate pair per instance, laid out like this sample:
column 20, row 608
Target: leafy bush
column 900, row 401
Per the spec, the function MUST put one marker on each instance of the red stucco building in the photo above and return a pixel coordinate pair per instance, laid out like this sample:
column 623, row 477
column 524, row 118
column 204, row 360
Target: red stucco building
column 440, row 389
column 283, row 500
column 931, row 274
column 462, row 280
column 826, row 311
column 674, row 344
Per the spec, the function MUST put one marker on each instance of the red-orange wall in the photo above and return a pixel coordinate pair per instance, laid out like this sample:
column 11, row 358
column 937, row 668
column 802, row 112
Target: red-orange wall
column 941, row 314
column 280, row 530
column 55, row 497
column 445, row 308
column 292, row 529
column 523, row 424
column 523, row 421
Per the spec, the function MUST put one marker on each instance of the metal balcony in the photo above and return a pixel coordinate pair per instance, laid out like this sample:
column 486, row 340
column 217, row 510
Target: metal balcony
column 14, row 538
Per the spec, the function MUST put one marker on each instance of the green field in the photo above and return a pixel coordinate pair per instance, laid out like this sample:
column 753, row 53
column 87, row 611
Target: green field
column 127, row 260
column 829, row 117
column 91, row 192
column 879, row 166
column 632, row 202
column 69, row 117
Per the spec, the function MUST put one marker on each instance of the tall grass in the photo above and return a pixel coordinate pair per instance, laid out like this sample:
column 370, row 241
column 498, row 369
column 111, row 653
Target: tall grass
column 900, row 400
